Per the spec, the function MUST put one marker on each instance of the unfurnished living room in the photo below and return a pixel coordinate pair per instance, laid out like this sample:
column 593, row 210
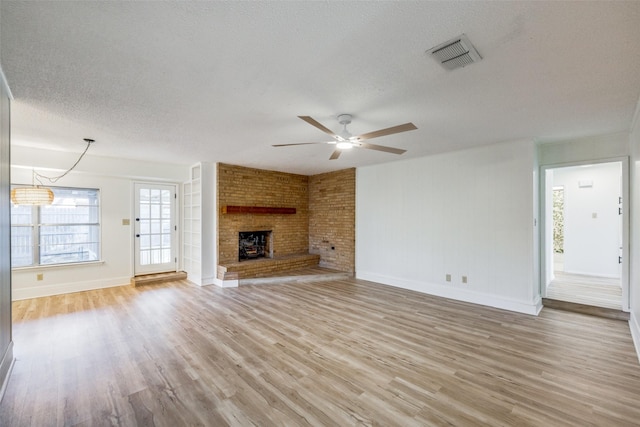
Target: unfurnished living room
column 326, row 213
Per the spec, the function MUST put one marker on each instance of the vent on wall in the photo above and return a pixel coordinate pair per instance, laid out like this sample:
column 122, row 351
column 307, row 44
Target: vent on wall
column 455, row 53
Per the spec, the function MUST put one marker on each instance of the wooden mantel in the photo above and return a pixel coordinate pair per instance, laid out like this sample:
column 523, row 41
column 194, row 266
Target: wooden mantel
column 257, row 210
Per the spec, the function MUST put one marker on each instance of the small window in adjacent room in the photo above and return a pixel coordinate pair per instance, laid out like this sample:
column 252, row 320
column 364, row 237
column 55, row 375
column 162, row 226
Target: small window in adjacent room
column 67, row 231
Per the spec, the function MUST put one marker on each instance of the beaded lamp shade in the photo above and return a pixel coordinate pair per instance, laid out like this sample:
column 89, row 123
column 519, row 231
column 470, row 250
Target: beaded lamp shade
column 32, row 196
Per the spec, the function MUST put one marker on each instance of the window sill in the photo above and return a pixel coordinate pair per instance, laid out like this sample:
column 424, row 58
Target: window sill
column 50, row 266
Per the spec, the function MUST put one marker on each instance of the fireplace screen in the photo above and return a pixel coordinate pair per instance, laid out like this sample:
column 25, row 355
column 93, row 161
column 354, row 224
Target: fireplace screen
column 253, row 244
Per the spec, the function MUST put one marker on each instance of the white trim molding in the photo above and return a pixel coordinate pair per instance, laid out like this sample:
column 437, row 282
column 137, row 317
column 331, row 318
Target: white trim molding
column 6, row 367
column 634, row 326
column 519, row 306
column 67, row 288
column 226, row 283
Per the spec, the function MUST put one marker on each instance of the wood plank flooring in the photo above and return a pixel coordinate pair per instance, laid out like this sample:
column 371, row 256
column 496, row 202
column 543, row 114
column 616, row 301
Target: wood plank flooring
column 589, row 290
column 609, row 313
column 342, row 353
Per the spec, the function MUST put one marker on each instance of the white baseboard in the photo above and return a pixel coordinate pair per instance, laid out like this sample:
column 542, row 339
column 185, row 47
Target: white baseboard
column 6, row 367
column 226, row 283
column 207, row 281
column 635, row 332
column 526, row 307
column 67, row 288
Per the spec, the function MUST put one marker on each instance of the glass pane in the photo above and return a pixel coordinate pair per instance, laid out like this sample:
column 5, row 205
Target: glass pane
column 157, row 228
column 21, row 214
column 156, row 256
column 66, row 231
column 145, row 258
column 166, row 211
column 144, row 211
column 145, row 195
column 155, row 211
column 69, row 243
column 21, row 246
column 71, row 206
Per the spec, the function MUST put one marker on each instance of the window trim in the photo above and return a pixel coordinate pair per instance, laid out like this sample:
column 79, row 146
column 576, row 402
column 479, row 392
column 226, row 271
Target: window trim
column 37, row 226
column 62, row 265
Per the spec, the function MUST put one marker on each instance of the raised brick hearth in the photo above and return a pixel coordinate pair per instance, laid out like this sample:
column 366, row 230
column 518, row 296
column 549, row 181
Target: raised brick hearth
column 266, row 266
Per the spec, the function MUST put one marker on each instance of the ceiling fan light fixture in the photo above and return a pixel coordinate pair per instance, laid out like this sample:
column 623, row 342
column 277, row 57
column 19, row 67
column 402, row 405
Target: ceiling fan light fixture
column 345, row 141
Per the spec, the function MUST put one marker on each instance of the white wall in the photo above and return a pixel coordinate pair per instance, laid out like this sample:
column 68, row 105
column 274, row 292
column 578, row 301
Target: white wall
column 467, row 213
column 591, row 245
column 114, row 178
column 584, row 149
column 634, row 279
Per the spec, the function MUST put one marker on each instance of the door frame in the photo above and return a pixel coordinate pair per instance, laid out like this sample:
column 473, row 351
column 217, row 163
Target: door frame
column 176, row 219
column 544, row 267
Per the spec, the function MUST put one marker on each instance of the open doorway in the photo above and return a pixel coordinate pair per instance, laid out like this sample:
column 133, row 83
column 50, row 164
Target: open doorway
column 584, row 235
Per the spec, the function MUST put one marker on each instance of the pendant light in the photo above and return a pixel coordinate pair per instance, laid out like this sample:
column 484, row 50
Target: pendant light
column 38, row 194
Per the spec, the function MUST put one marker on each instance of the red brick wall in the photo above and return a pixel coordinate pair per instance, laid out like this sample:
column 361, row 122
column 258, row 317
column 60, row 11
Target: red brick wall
column 241, row 186
column 332, row 219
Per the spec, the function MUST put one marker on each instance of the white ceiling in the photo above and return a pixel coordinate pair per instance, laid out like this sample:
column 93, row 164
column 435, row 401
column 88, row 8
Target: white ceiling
column 183, row 82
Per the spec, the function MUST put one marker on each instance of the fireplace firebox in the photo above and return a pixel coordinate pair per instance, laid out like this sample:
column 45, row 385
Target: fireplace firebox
column 254, row 244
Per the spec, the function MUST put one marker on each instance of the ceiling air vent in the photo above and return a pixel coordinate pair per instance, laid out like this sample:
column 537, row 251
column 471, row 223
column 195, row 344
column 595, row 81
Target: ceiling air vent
column 455, row 53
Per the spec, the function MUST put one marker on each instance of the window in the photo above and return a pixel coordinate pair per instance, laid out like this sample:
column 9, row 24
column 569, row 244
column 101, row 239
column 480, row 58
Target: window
column 67, row 231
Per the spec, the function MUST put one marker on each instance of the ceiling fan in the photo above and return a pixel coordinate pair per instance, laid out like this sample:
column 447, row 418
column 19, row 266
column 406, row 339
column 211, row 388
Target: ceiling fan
column 344, row 140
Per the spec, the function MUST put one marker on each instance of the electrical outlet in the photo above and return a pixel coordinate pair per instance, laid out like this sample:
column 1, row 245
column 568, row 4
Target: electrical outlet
column 40, row 276
column 464, row 279
column 448, row 277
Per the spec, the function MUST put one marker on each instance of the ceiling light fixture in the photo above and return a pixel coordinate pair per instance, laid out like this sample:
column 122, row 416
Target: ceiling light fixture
column 346, row 139
column 37, row 194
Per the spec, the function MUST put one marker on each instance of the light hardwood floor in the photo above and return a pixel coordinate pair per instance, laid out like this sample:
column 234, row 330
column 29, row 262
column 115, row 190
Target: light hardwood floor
column 588, row 290
column 342, row 353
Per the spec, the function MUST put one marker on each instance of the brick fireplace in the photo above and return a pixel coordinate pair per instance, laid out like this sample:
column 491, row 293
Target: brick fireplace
column 251, row 200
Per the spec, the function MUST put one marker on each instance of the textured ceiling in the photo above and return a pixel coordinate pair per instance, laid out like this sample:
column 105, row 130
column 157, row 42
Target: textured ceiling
column 183, row 82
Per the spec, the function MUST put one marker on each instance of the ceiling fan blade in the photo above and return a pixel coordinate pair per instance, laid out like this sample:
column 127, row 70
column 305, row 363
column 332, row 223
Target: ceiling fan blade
column 335, row 154
column 388, row 131
column 300, row 143
column 381, row 148
column 316, row 124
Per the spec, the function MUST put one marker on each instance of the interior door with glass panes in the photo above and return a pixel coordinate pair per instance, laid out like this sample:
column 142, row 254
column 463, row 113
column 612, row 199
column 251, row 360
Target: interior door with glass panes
column 155, row 228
